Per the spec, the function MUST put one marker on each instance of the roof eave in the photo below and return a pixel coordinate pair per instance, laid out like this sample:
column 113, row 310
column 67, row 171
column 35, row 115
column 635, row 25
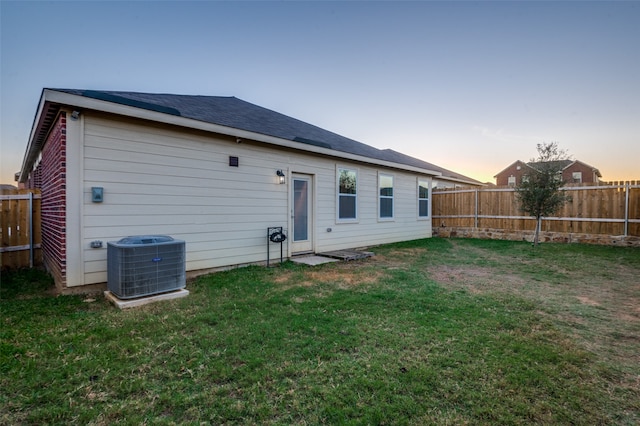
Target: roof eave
column 593, row 169
column 456, row 180
column 39, row 129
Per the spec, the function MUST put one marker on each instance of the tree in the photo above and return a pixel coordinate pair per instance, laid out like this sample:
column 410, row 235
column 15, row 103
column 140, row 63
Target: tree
column 539, row 192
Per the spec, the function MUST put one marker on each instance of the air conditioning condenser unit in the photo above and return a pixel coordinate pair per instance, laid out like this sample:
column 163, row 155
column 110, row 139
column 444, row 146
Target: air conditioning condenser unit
column 144, row 265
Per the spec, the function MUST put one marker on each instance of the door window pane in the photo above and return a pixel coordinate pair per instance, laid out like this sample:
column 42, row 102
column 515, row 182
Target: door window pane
column 300, row 210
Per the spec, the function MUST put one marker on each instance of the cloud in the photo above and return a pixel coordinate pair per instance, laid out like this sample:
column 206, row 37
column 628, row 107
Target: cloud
column 501, row 135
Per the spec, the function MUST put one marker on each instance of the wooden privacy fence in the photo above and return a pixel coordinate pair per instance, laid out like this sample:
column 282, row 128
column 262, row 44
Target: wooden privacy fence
column 20, row 235
column 611, row 209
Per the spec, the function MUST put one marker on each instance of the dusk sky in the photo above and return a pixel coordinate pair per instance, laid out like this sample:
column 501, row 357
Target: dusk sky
column 469, row 86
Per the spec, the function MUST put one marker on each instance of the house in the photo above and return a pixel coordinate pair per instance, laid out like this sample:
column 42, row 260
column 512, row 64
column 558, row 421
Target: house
column 216, row 172
column 7, row 188
column 573, row 171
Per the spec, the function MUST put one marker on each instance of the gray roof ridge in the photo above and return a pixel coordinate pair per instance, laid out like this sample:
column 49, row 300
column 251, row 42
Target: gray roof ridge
column 67, row 90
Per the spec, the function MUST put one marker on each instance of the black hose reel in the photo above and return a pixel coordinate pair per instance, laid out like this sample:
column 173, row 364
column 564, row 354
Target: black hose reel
column 277, row 237
column 275, row 234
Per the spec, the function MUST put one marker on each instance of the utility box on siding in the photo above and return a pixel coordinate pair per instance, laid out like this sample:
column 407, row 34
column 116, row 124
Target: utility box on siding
column 145, row 265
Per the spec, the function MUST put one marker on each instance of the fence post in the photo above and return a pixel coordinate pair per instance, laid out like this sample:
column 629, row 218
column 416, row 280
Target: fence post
column 475, row 219
column 626, row 208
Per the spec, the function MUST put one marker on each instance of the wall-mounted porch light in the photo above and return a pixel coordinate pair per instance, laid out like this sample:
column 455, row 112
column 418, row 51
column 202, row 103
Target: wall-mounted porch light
column 280, row 175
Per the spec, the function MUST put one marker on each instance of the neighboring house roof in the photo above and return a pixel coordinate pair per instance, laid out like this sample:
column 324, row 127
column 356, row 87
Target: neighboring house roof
column 509, row 166
column 7, row 187
column 550, row 165
column 235, row 113
column 597, row 172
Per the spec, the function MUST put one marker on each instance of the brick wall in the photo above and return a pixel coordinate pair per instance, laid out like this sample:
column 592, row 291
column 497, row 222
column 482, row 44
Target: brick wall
column 517, row 169
column 35, row 180
column 587, row 173
column 50, row 178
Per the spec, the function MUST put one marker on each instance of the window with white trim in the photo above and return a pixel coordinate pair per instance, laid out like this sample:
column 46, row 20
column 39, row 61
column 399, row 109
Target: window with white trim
column 385, row 193
column 577, row 177
column 347, row 194
column 423, row 198
column 511, row 180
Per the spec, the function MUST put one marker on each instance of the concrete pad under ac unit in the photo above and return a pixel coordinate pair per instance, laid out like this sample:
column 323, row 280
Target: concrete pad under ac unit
column 132, row 303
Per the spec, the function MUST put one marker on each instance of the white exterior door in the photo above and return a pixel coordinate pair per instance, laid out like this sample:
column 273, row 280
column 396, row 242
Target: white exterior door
column 302, row 214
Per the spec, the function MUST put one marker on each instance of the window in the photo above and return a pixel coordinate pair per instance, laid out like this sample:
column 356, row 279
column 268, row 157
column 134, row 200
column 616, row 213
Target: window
column 423, row 198
column 577, row 177
column 347, row 194
column 511, row 180
column 385, row 187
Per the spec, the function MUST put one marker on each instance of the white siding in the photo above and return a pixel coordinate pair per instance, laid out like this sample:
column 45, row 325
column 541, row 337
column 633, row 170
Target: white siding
column 160, row 180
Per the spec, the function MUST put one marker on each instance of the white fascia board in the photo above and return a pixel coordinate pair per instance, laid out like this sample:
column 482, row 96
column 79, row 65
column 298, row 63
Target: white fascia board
column 110, row 107
column 450, row 179
column 458, row 180
column 32, row 135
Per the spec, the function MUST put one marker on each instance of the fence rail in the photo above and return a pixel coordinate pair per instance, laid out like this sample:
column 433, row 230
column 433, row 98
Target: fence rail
column 20, row 235
column 611, row 209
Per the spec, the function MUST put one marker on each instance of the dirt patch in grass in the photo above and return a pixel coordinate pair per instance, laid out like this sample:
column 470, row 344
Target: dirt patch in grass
column 594, row 300
column 397, row 258
column 343, row 276
column 346, row 277
column 475, row 279
column 587, row 301
column 412, row 252
column 614, row 296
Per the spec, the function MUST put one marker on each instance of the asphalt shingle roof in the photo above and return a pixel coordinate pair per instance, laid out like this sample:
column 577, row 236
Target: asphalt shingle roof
column 551, row 165
column 236, row 113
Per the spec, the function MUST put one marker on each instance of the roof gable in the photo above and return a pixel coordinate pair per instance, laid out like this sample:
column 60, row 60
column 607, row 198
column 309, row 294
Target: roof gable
column 515, row 163
column 595, row 170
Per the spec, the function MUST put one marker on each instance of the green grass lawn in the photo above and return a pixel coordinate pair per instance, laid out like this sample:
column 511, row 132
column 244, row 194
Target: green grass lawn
column 426, row 332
